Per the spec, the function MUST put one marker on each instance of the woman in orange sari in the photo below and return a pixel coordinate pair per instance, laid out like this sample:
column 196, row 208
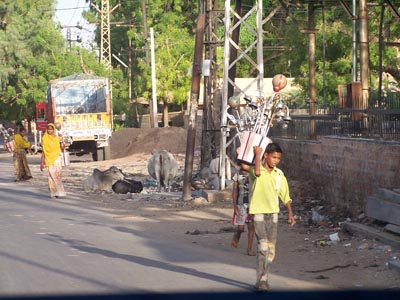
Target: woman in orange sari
column 21, row 167
column 51, row 159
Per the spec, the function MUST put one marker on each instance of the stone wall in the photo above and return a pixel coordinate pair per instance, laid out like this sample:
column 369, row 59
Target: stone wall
column 345, row 171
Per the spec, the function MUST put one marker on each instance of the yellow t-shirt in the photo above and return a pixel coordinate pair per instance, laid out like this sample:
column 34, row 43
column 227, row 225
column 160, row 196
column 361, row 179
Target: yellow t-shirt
column 265, row 197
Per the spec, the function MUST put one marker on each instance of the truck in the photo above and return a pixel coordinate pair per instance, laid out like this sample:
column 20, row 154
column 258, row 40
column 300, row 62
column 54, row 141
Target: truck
column 81, row 106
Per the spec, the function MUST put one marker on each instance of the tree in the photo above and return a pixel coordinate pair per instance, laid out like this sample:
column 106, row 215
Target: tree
column 29, row 42
column 173, row 22
column 33, row 52
column 334, row 30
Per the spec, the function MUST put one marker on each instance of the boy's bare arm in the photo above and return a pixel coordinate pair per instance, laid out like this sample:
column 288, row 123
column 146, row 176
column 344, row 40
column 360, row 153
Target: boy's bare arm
column 235, row 195
column 257, row 160
column 245, row 167
column 290, row 213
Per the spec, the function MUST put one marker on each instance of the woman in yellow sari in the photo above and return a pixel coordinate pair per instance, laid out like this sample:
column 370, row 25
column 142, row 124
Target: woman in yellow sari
column 51, row 159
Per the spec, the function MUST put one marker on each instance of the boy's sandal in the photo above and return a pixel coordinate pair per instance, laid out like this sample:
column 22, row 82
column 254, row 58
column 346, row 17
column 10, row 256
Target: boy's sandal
column 251, row 253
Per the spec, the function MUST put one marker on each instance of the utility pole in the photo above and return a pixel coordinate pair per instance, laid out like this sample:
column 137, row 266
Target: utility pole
column 354, row 42
column 212, row 89
column 69, row 36
column 154, row 121
column 194, row 98
column 364, row 51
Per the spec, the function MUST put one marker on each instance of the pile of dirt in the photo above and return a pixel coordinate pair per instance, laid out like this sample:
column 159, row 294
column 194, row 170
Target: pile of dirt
column 129, row 141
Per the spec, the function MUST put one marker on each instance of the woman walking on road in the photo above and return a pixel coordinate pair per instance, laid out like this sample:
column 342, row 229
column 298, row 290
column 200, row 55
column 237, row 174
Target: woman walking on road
column 21, row 167
column 51, row 159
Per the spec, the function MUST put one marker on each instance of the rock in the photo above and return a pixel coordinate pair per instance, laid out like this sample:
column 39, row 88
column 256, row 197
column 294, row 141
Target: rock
column 199, row 201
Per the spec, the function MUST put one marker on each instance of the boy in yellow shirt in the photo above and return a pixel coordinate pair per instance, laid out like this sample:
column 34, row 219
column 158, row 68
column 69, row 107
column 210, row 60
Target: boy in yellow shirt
column 269, row 185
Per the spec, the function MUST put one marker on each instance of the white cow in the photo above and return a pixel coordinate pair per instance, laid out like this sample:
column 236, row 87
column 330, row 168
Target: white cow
column 163, row 167
column 102, row 180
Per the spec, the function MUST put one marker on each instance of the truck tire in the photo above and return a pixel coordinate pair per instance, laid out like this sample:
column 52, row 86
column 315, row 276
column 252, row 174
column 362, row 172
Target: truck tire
column 107, row 153
column 98, row 154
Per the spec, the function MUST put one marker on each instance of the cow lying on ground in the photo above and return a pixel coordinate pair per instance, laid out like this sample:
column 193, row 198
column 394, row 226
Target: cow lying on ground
column 163, row 167
column 102, row 180
column 124, row 186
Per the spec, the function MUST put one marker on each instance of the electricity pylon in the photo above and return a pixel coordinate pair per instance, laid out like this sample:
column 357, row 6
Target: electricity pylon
column 105, row 41
column 217, row 92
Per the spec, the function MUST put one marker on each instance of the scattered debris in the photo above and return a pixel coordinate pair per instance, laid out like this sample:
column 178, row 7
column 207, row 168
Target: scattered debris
column 334, row 238
column 321, row 277
column 330, row 269
column 316, row 217
column 221, row 230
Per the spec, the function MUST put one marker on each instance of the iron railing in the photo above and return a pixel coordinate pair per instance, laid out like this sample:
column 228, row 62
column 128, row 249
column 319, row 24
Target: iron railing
column 381, row 120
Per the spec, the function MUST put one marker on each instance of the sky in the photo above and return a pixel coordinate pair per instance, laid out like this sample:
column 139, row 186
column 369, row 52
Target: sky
column 69, row 13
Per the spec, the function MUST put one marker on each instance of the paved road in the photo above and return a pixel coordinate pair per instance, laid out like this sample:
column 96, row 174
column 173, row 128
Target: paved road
column 53, row 246
column 50, row 246
column 61, row 247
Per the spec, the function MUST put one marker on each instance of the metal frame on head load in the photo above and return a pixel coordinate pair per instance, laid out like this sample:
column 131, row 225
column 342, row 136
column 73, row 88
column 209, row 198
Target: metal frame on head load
column 80, row 106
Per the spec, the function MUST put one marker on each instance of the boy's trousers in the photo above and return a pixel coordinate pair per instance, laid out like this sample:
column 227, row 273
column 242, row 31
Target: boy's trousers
column 266, row 229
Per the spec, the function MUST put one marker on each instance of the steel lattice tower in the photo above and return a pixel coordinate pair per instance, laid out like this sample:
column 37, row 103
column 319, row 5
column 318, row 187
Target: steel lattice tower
column 217, row 92
column 105, row 42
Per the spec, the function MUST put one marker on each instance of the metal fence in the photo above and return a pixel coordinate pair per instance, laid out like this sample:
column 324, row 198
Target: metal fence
column 381, row 120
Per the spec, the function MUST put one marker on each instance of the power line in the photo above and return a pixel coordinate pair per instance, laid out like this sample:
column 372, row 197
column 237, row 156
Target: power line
column 70, row 8
column 73, row 14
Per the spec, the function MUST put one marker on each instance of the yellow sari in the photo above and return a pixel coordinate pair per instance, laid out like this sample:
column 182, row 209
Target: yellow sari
column 51, row 150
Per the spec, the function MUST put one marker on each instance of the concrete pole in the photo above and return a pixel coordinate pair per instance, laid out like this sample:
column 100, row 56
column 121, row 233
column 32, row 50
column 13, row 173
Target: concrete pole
column 194, row 98
column 224, row 102
column 153, row 82
column 35, row 133
column 354, row 35
column 364, row 51
column 260, row 49
column 130, row 70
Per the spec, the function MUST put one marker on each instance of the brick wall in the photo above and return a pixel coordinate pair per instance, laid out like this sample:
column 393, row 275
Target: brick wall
column 345, row 171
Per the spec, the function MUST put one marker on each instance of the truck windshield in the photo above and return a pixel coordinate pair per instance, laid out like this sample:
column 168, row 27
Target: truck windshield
column 80, row 100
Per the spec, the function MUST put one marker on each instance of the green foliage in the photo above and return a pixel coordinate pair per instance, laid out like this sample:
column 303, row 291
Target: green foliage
column 173, row 22
column 26, row 44
column 33, row 51
column 118, row 126
column 333, row 29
